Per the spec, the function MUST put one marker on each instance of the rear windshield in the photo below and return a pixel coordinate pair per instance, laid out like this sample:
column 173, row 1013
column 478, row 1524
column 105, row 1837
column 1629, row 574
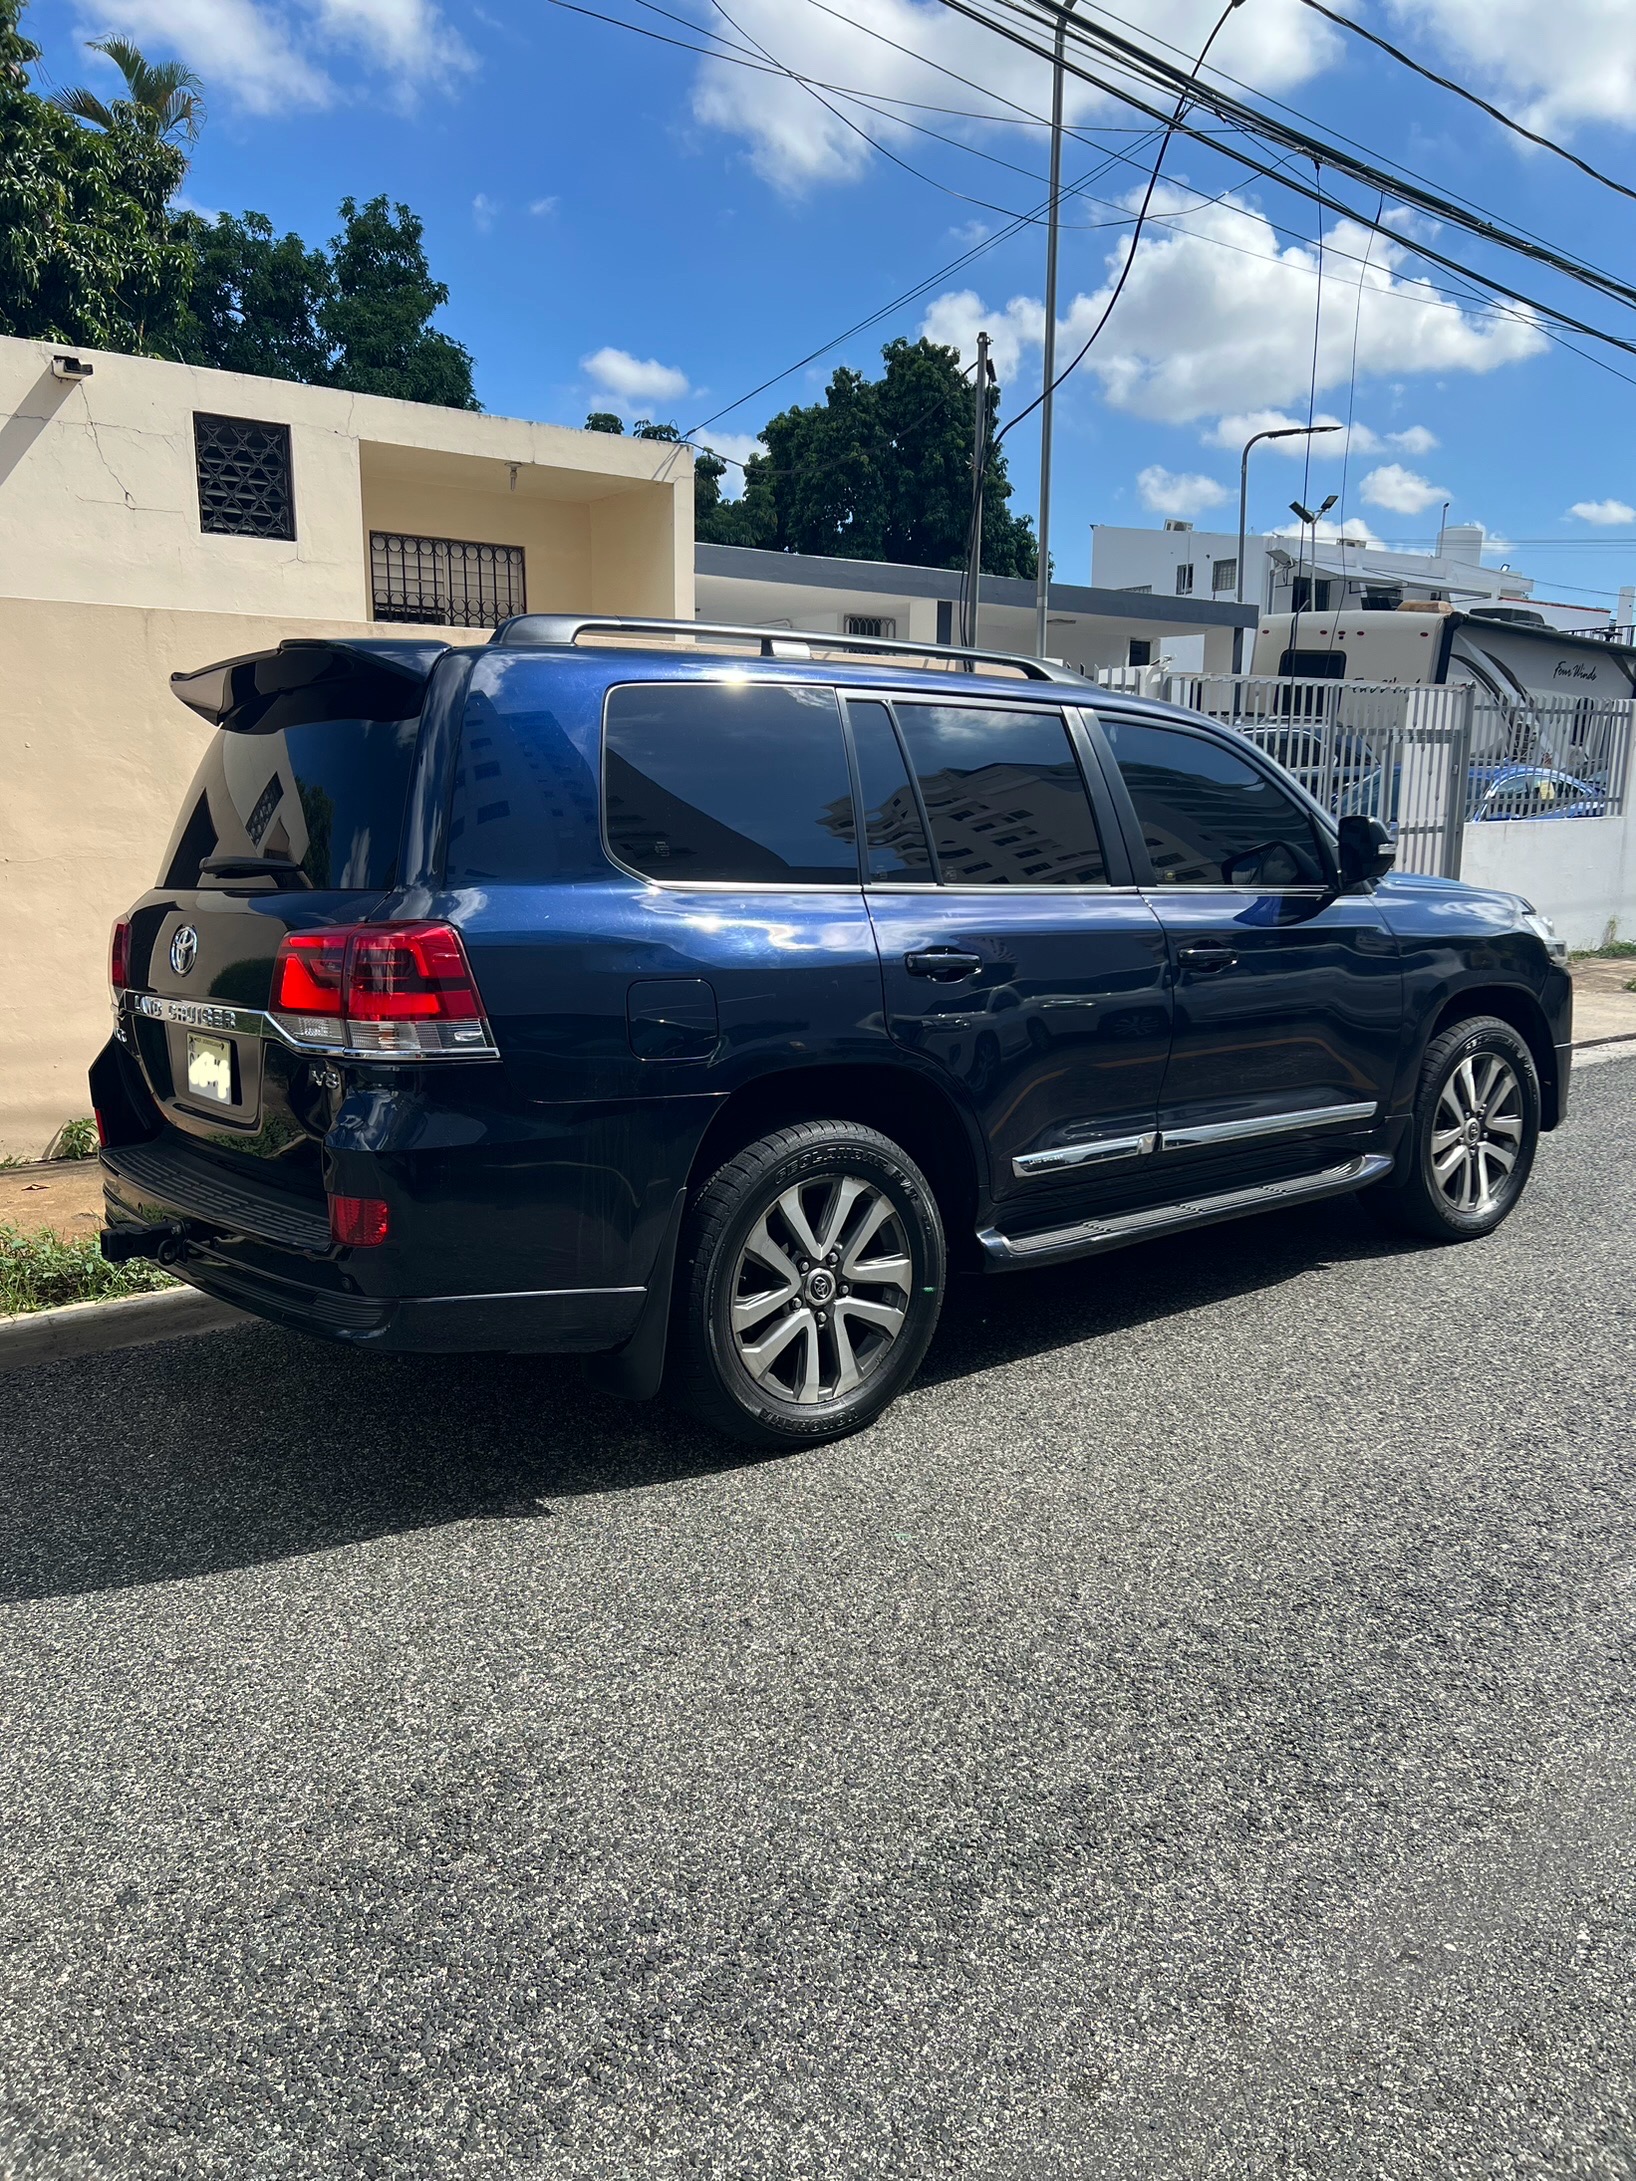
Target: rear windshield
column 328, row 796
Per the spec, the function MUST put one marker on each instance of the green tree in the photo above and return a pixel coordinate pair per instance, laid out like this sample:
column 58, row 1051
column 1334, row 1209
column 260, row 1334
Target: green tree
column 880, row 469
column 166, row 98
column 376, row 317
column 604, row 420
column 256, row 301
column 88, row 253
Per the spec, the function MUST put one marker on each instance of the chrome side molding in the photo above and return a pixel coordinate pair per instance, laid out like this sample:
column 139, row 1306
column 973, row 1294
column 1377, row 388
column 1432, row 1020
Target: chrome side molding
column 1273, row 1124
column 1086, row 1237
column 1095, row 1153
column 1105, row 1148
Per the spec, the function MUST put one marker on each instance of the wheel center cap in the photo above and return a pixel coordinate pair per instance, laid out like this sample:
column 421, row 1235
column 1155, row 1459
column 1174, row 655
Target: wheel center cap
column 1474, row 1130
column 820, row 1285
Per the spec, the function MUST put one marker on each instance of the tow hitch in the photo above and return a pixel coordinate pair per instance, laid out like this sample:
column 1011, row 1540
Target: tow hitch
column 166, row 1245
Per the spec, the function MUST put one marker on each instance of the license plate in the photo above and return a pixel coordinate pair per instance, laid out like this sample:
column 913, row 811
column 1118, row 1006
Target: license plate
column 210, row 1068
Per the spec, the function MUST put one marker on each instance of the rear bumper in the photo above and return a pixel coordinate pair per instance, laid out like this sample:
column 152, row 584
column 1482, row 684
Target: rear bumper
column 270, row 1253
column 550, row 1321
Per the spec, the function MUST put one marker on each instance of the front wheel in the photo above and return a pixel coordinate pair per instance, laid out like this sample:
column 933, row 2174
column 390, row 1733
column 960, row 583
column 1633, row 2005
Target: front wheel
column 813, row 1282
column 1471, row 1144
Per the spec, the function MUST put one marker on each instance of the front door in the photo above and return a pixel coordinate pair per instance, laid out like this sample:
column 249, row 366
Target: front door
column 1288, row 995
column 1013, row 962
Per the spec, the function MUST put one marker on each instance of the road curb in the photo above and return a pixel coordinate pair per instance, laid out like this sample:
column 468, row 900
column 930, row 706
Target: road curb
column 86, row 1329
column 1604, row 1048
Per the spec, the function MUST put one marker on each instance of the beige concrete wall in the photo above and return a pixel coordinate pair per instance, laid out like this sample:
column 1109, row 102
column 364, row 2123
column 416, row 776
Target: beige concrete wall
column 108, row 584
column 95, row 757
column 99, row 493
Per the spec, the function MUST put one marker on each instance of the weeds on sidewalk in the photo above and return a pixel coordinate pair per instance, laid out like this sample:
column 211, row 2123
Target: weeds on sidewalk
column 40, row 1271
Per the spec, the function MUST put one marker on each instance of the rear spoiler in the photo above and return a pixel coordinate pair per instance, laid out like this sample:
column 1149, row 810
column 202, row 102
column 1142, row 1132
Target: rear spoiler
column 311, row 678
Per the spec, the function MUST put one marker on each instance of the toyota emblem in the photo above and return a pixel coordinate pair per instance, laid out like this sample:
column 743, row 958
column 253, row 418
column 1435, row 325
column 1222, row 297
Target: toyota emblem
column 184, row 949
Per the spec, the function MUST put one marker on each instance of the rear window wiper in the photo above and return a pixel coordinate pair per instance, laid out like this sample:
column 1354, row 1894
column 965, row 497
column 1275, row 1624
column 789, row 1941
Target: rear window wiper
column 253, row 874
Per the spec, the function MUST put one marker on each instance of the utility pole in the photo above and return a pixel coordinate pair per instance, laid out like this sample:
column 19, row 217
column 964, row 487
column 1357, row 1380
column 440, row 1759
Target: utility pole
column 979, row 463
column 1042, row 581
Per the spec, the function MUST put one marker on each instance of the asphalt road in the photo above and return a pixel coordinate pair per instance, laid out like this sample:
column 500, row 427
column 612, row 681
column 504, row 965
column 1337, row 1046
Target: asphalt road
column 1191, row 1737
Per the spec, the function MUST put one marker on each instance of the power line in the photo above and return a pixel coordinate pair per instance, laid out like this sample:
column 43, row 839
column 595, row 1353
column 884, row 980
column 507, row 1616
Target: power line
column 1447, row 83
column 1149, row 69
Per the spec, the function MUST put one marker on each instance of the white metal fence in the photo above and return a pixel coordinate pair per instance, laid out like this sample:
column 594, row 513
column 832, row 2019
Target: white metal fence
column 1425, row 761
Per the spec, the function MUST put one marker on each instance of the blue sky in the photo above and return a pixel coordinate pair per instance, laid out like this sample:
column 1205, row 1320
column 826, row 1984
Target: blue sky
column 623, row 224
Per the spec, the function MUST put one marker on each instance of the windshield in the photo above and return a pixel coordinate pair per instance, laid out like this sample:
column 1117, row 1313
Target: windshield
column 327, row 797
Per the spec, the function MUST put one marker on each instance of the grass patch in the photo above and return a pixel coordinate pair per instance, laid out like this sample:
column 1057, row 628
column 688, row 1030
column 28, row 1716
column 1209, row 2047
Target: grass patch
column 41, row 1271
column 1616, row 950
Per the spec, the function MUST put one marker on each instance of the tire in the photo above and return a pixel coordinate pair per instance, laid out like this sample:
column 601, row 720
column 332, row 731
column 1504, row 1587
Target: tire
column 809, row 1204
column 1478, row 1106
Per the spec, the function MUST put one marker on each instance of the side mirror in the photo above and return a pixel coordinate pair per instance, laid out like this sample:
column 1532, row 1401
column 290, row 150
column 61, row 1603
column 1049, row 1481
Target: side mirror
column 1367, row 851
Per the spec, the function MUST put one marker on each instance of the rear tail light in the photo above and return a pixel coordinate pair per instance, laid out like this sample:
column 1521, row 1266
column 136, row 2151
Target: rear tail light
column 119, row 955
column 397, row 990
column 102, row 1127
column 359, row 1223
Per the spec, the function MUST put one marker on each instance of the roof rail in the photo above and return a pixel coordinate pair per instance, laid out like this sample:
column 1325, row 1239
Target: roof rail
column 562, row 631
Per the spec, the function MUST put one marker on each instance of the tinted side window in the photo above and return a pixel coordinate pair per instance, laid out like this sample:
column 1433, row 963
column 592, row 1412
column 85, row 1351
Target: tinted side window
column 736, row 781
column 894, row 837
column 1004, row 796
column 1203, row 808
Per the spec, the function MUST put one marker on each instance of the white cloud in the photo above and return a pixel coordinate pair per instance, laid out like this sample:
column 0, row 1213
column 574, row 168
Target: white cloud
column 250, row 50
column 1608, row 514
column 797, row 143
column 1203, row 329
column 1168, row 493
column 1578, row 66
column 1415, row 440
column 1330, row 444
column 957, row 318
column 271, row 55
column 632, row 381
column 485, row 211
column 543, row 207
column 1401, row 491
column 737, row 447
column 1354, row 531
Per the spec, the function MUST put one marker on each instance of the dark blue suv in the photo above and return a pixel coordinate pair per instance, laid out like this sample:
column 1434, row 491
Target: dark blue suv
column 696, row 1000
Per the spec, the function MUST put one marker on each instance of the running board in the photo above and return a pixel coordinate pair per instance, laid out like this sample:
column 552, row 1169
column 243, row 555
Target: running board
column 1088, row 1236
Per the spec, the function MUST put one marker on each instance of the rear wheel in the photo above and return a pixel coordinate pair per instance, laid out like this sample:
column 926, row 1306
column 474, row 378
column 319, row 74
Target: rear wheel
column 812, row 1285
column 1471, row 1145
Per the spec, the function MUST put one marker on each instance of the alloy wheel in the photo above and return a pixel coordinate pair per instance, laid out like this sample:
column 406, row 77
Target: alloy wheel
column 821, row 1289
column 1477, row 1133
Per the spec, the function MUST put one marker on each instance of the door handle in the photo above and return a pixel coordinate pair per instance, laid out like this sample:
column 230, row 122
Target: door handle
column 945, row 964
column 1206, row 957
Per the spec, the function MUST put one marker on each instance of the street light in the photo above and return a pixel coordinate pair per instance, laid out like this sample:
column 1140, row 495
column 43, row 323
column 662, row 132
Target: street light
column 1281, row 431
column 1042, row 578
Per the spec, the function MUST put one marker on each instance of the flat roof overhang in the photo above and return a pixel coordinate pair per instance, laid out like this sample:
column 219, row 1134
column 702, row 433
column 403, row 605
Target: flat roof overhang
column 895, row 579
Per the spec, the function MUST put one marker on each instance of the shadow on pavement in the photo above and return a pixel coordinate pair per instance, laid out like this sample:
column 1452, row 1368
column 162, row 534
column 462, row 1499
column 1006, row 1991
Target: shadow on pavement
column 160, row 1463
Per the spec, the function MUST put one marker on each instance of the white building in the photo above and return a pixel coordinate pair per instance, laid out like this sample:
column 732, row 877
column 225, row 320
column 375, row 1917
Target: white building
column 1088, row 628
column 1285, row 574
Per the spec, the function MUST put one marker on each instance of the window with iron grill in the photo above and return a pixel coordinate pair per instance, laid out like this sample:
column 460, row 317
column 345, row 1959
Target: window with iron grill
column 879, row 625
column 447, row 580
column 245, row 488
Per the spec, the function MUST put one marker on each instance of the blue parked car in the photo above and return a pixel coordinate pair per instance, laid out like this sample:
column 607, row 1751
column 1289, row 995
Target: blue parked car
column 700, row 1000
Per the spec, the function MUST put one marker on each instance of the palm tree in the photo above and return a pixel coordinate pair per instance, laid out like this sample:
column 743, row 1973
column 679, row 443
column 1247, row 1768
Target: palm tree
column 168, row 97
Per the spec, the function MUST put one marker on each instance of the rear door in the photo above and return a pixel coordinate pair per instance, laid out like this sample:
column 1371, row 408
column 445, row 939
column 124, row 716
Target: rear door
column 1288, row 995
column 294, row 818
column 1018, row 958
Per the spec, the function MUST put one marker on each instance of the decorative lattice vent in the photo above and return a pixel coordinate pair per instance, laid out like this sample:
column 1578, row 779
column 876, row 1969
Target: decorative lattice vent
column 245, row 489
